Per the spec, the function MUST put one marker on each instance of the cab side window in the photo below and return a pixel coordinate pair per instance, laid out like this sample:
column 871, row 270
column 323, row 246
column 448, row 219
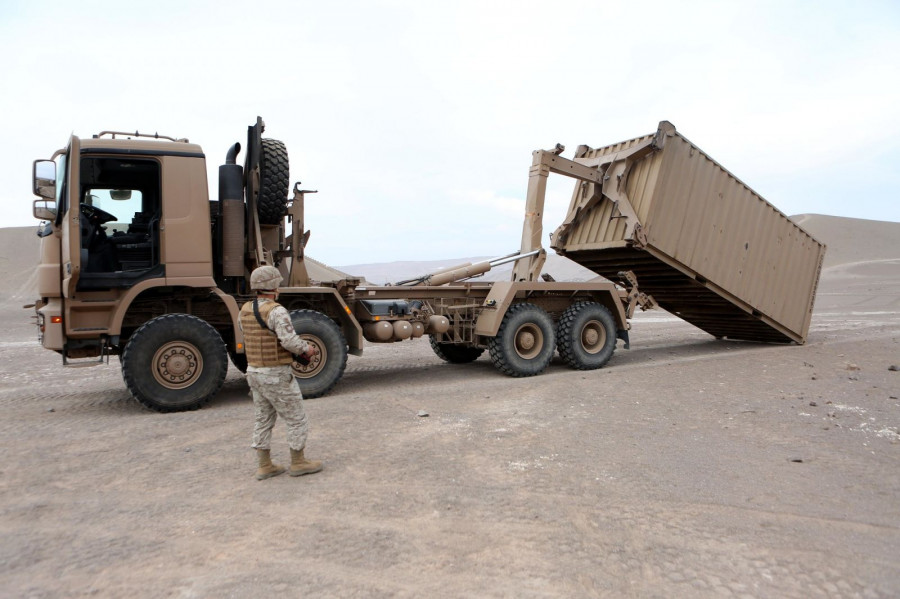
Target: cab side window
column 120, row 213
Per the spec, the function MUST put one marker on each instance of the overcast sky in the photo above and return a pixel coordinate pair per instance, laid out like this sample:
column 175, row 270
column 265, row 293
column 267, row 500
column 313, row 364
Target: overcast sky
column 416, row 120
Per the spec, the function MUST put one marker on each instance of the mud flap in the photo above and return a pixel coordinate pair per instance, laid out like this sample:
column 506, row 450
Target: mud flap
column 623, row 335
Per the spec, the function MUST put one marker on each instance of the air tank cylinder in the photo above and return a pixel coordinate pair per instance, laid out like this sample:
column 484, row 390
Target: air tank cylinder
column 437, row 324
column 378, row 332
column 398, row 330
column 402, row 330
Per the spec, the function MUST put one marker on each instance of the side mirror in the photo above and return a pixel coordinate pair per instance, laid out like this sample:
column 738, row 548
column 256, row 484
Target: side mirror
column 43, row 177
column 44, row 209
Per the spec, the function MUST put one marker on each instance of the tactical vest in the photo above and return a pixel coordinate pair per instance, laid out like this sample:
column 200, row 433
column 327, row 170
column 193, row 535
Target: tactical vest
column 261, row 344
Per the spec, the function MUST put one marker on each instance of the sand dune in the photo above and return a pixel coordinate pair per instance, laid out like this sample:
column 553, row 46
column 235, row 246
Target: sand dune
column 20, row 252
column 859, row 247
column 858, row 251
column 562, row 269
column 19, row 255
column 853, row 240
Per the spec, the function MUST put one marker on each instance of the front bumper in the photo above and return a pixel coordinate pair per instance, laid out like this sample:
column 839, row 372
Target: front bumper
column 50, row 324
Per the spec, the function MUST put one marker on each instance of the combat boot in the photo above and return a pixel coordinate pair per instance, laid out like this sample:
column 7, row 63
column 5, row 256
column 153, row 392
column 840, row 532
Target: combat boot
column 266, row 468
column 300, row 465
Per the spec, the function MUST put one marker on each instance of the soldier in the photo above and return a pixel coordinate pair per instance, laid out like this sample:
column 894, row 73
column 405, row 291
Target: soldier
column 271, row 344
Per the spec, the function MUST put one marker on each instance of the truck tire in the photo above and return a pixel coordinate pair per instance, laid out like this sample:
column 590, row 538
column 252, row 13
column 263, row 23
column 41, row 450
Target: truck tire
column 274, row 181
column 455, row 353
column 174, row 363
column 525, row 342
column 325, row 369
column 586, row 336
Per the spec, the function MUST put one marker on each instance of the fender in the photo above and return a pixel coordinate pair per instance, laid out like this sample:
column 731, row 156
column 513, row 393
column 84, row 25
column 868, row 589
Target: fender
column 196, row 283
column 349, row 325
column 234, row 311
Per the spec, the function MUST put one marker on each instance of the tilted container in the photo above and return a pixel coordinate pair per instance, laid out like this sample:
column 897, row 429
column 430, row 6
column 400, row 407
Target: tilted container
column 705, row 246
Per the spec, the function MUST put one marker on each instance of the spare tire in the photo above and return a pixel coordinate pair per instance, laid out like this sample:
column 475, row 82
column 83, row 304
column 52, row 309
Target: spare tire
column 274, row 181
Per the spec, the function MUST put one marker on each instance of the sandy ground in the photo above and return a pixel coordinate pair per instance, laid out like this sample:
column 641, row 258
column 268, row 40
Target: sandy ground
column 688, row 467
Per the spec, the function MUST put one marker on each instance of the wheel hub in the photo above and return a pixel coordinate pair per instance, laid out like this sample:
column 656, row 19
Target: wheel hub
column 529, row 341
column 526, row 341
column 176, row 365
column 316, row 363
column 593, row 337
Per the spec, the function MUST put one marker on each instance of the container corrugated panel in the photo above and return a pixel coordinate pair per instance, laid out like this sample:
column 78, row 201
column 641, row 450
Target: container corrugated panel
column 706, row 247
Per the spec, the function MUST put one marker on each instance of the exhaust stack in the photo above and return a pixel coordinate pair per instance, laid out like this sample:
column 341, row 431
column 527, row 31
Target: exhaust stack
column 231, row 205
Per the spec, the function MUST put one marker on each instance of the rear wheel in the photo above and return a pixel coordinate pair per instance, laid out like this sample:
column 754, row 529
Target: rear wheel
column 274, row 181
column 525, row 342
column 174, row 363
column 455, row 353
column 326, row 368
column 586, row 336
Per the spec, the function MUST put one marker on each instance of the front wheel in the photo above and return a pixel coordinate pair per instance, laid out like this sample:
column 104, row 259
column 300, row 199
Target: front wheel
column 525, row 342
column 174, row 363
column 326, row 368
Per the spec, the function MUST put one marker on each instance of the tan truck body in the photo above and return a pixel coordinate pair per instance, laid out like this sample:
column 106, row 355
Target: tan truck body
column 136, row 261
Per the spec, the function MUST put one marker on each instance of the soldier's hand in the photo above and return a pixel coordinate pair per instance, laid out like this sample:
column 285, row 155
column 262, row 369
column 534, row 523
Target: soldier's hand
column 311, row 351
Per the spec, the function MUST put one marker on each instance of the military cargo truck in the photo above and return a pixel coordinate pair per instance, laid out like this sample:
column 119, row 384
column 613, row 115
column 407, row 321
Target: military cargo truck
column 138, row 262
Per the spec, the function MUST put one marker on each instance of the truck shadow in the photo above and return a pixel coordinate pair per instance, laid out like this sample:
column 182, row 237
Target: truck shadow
column 235, row 391
column 687, row 351
column 383, row 376
column 380, row 376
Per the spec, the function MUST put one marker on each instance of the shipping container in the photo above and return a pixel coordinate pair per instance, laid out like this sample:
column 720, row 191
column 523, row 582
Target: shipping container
column 702, row 243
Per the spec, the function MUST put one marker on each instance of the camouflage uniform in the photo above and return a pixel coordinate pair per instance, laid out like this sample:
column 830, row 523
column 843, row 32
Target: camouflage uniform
column 274, row 389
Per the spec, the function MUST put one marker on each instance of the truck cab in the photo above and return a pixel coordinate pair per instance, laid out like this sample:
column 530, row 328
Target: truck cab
column 124, row 214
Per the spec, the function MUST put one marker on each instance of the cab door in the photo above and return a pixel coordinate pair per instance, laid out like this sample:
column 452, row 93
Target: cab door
column 70, row 201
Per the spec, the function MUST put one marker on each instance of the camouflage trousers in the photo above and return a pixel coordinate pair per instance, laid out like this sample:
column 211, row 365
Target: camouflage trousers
column 276, row 393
